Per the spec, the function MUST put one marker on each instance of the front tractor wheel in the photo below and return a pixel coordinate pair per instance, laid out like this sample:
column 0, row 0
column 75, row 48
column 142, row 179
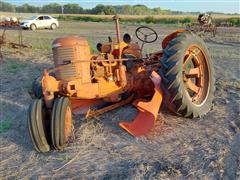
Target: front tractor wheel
column 37, row 126
column 61, row 122
column 188, row 75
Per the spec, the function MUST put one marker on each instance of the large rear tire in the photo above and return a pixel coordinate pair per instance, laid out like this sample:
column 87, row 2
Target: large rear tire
column 37, row 126
column 188, row 75
column 61, row 122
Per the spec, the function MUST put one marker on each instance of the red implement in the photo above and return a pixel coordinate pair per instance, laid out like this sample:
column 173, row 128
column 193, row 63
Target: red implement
column 148, row 111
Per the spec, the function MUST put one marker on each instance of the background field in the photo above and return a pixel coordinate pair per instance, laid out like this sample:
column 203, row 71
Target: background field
column 177, row 148
column 179, row 20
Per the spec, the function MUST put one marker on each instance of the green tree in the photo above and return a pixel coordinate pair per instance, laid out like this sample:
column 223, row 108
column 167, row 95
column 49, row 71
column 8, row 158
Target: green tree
column 141, row 10
column 109, row 10
column 72, row 9
column 52, row 8
column 127, row 9
column 7, row 7
column 98, row 9
column 156, row 11
column 26, row 8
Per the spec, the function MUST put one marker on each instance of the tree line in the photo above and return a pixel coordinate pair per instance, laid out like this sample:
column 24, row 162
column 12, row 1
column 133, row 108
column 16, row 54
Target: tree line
column 74, row 8
column 56, row 8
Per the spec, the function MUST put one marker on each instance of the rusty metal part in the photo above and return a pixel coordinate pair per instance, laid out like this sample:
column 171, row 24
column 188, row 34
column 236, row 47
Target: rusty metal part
column 71, row 49
column 116, row 18
column 196, row 74
column 93, row 113
column 10, row 26
column 171, row 36
column 148, row 111
column 49, row 86
column 132, row 49
column 82, row 106
column 205, row 19
column 67, row 124
column 204, row 24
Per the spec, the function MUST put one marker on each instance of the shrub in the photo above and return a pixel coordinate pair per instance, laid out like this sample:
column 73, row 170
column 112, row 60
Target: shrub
column 149, row 19
column 234, row 21
column 186, row 20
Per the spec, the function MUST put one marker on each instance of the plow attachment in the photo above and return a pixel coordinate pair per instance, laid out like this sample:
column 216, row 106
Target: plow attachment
column 148, row 111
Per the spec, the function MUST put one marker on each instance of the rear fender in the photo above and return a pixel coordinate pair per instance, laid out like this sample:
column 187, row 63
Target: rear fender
column 168, row 38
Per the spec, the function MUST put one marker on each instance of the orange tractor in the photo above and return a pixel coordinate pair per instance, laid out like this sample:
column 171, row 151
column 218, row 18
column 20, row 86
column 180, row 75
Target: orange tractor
column 93, row 84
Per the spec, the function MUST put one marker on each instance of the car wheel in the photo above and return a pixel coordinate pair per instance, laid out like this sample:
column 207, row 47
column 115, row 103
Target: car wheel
column 33, row 27
column 53, row 26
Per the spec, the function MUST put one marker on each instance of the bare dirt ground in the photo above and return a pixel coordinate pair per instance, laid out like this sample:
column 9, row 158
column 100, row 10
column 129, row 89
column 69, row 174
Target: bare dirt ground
column 177, row 148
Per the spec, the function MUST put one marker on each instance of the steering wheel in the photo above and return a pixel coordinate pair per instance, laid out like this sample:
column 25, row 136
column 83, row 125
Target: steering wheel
column 146, row 34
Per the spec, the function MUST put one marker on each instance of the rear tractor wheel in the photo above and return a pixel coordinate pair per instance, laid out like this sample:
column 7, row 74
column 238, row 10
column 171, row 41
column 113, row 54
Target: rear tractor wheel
column 188, row 75
column 61, row 122
column 37, row 126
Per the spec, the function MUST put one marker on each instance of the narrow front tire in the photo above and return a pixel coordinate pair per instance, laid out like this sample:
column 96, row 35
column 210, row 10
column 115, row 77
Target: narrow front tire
column 37, row 126
column 61, row 122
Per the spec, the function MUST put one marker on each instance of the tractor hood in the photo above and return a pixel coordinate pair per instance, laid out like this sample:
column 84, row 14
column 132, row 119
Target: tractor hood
column 69, row 50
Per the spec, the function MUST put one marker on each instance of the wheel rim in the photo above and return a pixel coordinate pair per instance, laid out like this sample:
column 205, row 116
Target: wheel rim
column 33, row 27
column 53, row 26
column 196, row 75
column 67, row 123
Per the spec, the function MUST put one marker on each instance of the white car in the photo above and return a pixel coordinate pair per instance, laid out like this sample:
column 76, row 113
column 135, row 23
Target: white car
column 38, row 22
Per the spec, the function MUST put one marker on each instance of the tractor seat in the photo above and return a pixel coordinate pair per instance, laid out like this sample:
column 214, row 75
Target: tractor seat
column 133, row 49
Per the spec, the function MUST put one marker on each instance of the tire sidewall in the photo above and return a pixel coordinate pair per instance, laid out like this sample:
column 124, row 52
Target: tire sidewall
column 58, row 122
column 198, row 41
column 36, row 126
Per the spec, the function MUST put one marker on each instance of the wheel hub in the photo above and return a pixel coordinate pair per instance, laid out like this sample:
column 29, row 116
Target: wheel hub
column 196, row 74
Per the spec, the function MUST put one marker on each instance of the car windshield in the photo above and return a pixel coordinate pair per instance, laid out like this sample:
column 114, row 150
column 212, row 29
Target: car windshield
column 32, row 18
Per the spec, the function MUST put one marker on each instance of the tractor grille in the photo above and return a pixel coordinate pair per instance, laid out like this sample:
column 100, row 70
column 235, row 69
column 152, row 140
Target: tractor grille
column 63, row 56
